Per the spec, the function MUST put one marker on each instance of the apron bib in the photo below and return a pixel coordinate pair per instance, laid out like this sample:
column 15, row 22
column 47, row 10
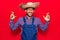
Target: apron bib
column 29, row 30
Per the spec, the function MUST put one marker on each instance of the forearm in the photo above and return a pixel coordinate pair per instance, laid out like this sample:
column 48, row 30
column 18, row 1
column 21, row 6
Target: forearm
column 44, row 27
column 12, row 25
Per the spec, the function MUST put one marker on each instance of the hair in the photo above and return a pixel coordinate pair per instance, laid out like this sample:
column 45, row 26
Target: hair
column 29, row 7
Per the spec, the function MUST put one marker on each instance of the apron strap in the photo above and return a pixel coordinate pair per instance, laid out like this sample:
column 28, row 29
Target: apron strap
column 25, row 20
column 33, row 20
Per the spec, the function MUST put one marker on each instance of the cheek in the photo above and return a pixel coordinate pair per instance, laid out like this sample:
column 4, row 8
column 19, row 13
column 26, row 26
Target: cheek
column 30, row 11
column 27, row 11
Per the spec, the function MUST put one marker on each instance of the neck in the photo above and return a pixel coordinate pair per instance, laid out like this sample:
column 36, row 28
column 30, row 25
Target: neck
column 29, row 17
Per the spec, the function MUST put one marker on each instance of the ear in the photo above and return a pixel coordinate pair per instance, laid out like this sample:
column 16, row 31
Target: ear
column 25, row 10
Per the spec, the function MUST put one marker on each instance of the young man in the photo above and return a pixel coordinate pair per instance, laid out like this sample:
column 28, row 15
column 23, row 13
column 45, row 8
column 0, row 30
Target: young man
column 29, row 23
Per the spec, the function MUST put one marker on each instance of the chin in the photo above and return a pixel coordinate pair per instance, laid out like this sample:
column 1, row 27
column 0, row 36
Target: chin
column 29, row 15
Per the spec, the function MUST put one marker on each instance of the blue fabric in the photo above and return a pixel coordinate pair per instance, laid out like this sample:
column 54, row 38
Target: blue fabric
column 21, row 22
column 29, row 30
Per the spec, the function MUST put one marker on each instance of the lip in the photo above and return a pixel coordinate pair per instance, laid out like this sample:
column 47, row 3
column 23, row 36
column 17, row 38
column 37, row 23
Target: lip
column 30, row 12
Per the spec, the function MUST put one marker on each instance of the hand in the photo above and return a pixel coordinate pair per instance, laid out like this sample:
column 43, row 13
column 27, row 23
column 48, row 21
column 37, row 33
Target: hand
column 47, row 17
column 12, row 16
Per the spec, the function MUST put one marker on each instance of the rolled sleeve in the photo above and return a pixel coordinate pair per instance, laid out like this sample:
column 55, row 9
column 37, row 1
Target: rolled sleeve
column 14, row 26
column 43, row 27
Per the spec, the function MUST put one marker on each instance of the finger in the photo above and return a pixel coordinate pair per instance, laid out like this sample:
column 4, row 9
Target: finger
column 48, row 16
column 14, row 17
column 12, row 14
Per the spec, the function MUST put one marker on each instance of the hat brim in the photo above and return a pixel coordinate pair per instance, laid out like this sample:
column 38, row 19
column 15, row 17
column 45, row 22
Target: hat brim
column 24, row 6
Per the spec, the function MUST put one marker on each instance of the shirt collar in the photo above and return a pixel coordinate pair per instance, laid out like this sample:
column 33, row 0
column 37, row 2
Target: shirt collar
column 27, row 18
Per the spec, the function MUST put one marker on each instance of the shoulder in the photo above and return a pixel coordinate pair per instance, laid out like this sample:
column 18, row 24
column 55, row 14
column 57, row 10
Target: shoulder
column 37, row 19
column 20, row 18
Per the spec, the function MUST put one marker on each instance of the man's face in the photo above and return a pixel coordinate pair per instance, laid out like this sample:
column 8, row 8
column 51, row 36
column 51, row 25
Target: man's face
column 29, row 11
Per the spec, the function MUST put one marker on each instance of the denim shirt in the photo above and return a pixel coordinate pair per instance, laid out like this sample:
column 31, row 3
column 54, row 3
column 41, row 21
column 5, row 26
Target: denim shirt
column 37, row 22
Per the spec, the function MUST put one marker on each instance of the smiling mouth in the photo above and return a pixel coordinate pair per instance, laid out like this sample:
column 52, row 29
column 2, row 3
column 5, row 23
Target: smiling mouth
column 30, row 12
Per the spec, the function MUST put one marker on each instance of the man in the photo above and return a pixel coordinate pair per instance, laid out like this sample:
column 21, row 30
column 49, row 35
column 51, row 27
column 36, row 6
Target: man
column 29, row 23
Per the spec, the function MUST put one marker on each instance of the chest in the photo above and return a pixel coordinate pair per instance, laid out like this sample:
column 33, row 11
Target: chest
column 29, row 22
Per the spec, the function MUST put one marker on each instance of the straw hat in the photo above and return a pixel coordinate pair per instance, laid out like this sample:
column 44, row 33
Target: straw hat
column 29, row 4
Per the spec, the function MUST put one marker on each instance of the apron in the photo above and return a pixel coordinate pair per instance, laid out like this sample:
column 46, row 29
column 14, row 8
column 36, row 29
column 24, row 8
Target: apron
column 29, row 30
